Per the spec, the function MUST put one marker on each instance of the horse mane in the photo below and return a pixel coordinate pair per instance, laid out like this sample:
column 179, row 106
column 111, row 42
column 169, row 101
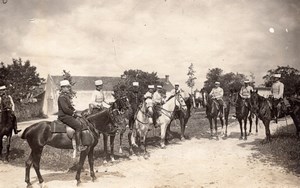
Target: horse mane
column 170, row 98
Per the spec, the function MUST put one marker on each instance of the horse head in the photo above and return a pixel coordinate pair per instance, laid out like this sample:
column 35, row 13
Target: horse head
column 233, row 97
column 254, row 101
column 148, row 105
column 179, row 102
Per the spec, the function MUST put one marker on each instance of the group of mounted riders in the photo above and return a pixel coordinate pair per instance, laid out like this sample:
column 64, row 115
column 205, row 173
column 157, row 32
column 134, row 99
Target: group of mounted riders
column 278, row 104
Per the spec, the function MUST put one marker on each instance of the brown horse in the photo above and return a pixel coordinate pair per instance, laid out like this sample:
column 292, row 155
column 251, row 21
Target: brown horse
column 182, row 115
column 213, row 112
column 243, row 111
column 39, row 134
column 7, row 125
column 262, row 109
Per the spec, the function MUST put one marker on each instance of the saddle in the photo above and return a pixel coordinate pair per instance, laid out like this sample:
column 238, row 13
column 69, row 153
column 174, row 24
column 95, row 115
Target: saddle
column 59, row 127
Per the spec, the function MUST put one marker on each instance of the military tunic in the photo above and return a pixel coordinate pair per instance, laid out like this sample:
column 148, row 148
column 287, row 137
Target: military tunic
column 277, row 90
column 67, row 112
column 245, row 92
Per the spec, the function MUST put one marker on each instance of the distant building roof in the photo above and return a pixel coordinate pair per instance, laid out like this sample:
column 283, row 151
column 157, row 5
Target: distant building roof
column 87, row 83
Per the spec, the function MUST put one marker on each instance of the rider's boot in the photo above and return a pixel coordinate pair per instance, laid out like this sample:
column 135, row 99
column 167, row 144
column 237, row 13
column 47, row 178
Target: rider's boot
column 16, row 130
column 79, row 145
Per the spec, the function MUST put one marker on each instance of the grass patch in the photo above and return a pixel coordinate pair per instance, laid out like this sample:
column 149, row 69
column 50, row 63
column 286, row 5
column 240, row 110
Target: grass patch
column 284, row 150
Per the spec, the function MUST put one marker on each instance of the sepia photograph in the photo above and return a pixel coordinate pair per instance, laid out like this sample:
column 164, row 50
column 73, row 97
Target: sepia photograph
column 150, row 93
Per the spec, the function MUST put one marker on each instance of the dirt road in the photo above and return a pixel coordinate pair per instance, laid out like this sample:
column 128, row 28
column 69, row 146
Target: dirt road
column 193, row 163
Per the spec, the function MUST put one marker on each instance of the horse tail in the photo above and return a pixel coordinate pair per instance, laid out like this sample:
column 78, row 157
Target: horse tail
column 24, row 134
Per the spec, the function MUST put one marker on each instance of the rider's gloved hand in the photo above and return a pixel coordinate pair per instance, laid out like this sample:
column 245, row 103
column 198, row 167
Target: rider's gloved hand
column 78, row 115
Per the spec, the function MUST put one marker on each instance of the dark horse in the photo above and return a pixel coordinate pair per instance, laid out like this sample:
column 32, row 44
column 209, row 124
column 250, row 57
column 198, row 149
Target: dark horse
column 124, row 107
column 262, row 109
column 294, row 113
column 39, row 134
column 182, row 115
column 8, row 122
column 213, row 112
column 243, row 112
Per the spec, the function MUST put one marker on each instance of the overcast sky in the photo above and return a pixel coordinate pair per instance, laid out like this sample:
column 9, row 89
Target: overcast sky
column 104, row 38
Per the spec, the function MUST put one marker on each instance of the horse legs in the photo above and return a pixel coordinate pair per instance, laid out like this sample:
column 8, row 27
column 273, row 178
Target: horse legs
column 36, row 158
column 106, row 157
column 1, row 147
column 111, row 142
column 222, row 124
column 83, row 155
column 267, row 128
column 216, row 127
column 121, row 137
column 91, row 163
column 163, row 135
column 130, row 140
column 211, row 127
column 182, row 125
column 241, row 128
column 250, row 122
column 28, row 165
column 146, row 155
column 256, row 124
column 245, row 128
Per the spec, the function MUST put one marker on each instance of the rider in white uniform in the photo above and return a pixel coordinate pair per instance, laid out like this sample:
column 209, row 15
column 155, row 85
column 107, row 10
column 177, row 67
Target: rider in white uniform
column 98, row 97
column 245, row 92
column 277, row 90
column 217, row 94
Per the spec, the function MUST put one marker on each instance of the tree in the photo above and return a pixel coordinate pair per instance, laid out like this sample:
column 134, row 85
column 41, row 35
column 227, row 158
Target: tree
column 130, row 76
column 290, row 77
column 229, row 81
column 19, row 77
column 191, row 74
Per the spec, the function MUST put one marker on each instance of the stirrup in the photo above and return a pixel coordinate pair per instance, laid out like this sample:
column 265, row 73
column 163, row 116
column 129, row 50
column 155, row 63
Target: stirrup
column 81, row 148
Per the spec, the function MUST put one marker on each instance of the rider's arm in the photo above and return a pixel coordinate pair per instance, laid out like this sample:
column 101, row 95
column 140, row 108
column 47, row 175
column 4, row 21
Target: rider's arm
column 281, row 90
column 12, row 103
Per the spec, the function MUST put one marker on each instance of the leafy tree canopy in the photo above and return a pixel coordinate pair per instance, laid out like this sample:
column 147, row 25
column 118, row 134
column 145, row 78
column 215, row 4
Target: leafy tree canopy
column 290, row 77
column 20, row 78
column 229, row 81
column 191, row 74
column 144, row 78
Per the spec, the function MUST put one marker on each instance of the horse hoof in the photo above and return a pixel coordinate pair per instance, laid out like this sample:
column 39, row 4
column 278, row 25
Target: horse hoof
column 42, row 185
column 217, row 138
column 94, row 179
column 29, row 185
column 105, row 161
column 163, row 146
column 182, row 138
column 112, row 159
column 78, row 183
column 245, row 138
column 241, row 138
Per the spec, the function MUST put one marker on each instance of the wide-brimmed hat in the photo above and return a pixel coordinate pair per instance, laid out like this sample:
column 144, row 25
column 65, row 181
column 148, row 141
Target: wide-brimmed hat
column 64, row 83
column 98, row 82
column 246, row 81
column 2, row 87
column 135, row 83
column 277, row 75
column 151, row 86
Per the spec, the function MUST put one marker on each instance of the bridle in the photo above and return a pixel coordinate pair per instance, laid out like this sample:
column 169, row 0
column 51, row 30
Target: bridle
column 146, row 113
column 170, row 114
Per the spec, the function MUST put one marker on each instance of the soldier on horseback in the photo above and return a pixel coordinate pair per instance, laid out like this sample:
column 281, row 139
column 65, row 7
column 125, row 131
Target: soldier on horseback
column 7, row 105
column 176, row 90
column 277, row 90
column 67, row 113
column 149, row 95
column 98, row 98
column 158, row 101
column 217, row 95
column 245, row 92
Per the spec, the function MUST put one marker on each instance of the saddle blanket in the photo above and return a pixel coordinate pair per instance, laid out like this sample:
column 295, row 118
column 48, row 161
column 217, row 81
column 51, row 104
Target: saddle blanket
column 60, row 127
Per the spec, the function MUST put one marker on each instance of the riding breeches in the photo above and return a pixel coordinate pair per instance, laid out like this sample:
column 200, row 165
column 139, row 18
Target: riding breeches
column 71, row 121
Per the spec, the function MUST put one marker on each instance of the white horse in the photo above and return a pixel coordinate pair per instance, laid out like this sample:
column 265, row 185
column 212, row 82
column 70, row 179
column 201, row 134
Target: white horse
column 142, row 122
column 166, row 115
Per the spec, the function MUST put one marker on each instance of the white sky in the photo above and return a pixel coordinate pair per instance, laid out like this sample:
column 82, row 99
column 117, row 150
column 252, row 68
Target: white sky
column 105, row 38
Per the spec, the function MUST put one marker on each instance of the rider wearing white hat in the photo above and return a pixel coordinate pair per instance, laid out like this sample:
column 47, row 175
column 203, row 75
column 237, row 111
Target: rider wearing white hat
column 157, row 98
column 98, row 97
column 176, row 90
column 277, row 90
column 67, row 113
column 7, row 105
column 217, row 94
column 245, row 90
column 150, row 92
